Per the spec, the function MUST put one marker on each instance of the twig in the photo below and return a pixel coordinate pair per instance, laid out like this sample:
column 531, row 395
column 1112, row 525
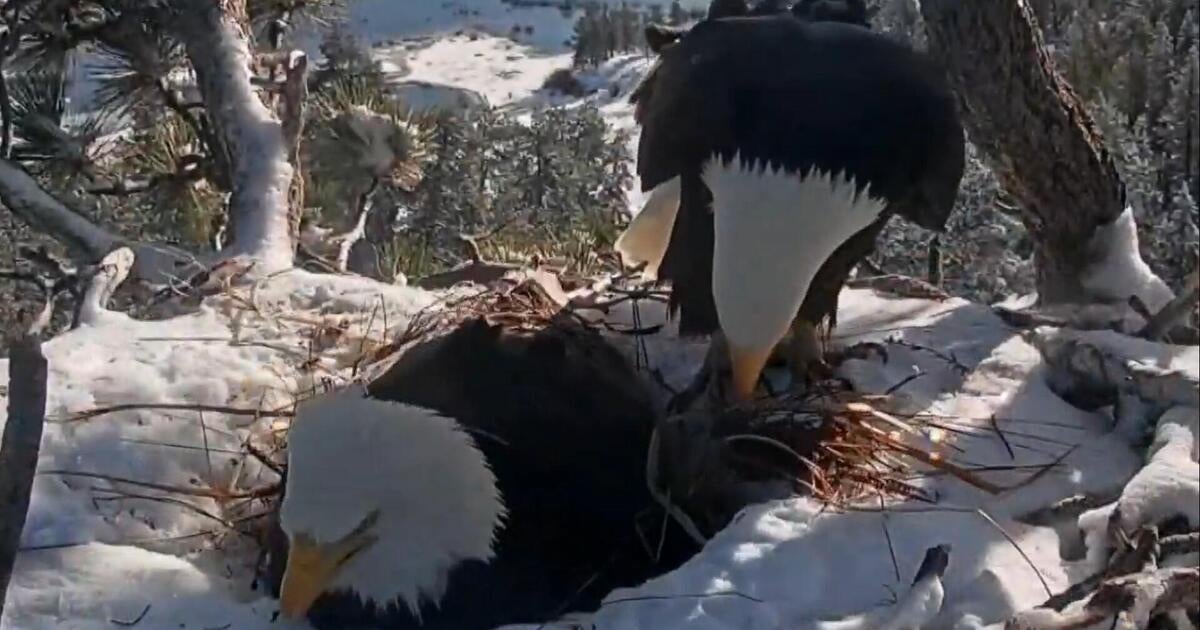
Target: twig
column 1041, row 578
column 996, row 427
column 652, row 484
column 186, row 447
column 256, row 493
column 905, row 381
column 888, row 536
column 966, row 510
column 948, row 358
column 1180, row 544
column 121, row 496
column 207, row 453
column 654, row 598
column 20, row 446
column 1175, row 310
column 264, row 458
column 233, row 411
column 135, row 621
column 145, row 541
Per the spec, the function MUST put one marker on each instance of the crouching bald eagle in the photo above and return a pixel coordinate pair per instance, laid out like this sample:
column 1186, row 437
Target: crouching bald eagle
column 775, row 148
column 489, row 477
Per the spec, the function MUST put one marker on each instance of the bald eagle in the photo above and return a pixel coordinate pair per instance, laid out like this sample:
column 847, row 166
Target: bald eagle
column 774, row 149
column 487, row 478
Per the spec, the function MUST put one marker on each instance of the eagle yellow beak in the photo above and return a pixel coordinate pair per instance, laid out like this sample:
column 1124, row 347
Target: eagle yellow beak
column 748, row 364
column 310, row 569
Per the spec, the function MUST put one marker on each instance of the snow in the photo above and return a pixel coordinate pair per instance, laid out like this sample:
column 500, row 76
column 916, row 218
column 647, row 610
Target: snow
column 261, row 172
column 84, row 561
column 1122, row 272
column 386, row 20
column 498, row 68
column 806, row 564
column 89, row 559
column 95, row 586
column 785, row 564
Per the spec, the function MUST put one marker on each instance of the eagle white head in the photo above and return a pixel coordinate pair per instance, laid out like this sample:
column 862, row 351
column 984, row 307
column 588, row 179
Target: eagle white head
column 382, row 499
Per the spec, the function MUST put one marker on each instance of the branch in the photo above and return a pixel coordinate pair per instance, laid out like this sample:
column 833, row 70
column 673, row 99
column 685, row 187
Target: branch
column 42, row 211
column 111, row 272
column 33, row 205
column 1033, row 130
column 250, row 135
column 1175, row 311
column 347, row 240
column 295, row 105
column 20, row 447
column 6, row 111
column 190, row 169
column 1078, row 364
column 1131, row 599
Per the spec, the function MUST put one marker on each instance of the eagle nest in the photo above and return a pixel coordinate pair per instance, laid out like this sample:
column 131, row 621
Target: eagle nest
column 829, row 442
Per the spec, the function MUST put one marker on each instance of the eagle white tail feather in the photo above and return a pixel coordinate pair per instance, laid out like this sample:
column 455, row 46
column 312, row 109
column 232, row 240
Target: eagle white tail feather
column 774, row 230
column 646, row 238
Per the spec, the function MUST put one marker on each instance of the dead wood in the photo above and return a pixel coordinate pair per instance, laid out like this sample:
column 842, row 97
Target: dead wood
column 1176, row 311
column 899, row 285
column 1082, row 368
column 477, row 272
column 1125, row 602
column 20, row 446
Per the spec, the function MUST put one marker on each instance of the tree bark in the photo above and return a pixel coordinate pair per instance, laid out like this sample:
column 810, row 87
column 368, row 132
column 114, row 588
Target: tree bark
column 20, row 447
column 251, row 136
column 24, row 197
column 1035, row 134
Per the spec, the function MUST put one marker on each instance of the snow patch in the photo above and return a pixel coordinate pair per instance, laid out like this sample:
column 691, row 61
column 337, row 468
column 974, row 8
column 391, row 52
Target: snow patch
column 81, row 562
column 1121, row 272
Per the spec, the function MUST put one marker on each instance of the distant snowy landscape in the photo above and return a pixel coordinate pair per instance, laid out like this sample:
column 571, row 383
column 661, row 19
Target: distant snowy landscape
column 97, row 553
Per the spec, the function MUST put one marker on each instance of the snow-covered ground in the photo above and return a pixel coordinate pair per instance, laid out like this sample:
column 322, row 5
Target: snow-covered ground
column 92, row 556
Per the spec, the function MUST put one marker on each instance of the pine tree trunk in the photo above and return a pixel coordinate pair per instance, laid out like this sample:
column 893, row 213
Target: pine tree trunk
column 252, row 138
column 1034, row 132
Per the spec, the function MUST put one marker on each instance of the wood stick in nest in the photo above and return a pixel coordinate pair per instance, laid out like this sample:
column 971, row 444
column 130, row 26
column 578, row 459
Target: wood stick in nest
column 837, row 446
column 529, row 300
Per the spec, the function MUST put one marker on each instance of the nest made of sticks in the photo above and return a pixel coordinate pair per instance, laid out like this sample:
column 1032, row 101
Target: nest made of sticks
column 829, row 442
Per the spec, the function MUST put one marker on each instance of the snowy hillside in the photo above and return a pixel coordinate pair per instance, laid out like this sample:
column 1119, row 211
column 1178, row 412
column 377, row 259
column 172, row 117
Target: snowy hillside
column 136, row 513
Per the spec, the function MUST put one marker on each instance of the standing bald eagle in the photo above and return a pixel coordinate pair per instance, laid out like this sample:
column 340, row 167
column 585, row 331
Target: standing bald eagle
column 775, row 148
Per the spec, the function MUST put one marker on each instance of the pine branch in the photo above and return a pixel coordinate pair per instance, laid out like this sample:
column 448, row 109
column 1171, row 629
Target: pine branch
column 33, row 205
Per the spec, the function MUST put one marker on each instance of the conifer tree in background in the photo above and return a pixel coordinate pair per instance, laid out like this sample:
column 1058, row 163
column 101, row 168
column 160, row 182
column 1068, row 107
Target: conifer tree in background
column 675, row 14
column 1133, row 65
column 601, row 33
column 170, row 181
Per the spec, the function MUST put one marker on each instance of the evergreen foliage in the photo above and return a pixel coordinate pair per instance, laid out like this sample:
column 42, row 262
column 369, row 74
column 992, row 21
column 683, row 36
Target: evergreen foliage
column 603, row 32
column 1134, row 63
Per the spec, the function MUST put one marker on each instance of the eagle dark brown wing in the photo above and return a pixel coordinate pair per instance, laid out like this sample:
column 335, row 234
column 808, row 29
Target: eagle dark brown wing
column 800, row 95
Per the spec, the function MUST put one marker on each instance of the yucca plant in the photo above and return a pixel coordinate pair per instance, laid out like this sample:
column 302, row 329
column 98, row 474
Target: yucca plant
column 168, row 157
column 133, row 67
column 305, row 15
column 360, row 138
column 60, row 145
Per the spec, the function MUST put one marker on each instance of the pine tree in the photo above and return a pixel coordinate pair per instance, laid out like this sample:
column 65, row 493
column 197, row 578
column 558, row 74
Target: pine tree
column 675, row 14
